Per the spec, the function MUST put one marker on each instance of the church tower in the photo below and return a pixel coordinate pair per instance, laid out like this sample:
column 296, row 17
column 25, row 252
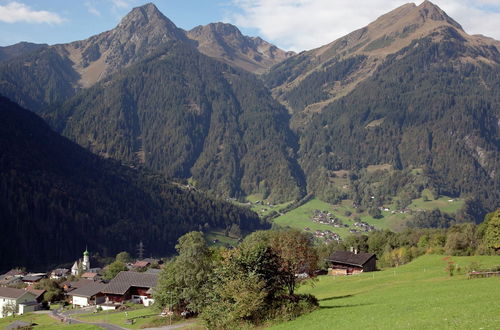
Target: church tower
column 86, row 260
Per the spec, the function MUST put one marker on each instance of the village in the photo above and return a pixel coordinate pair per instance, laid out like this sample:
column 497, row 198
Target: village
column 83, row 286
column 327, row 218
column 80, row 286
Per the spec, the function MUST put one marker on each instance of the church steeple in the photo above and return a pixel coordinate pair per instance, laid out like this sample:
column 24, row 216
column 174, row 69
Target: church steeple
column 86, row 260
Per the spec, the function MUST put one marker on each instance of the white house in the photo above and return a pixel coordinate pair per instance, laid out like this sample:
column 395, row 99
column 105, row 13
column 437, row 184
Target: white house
column 16, row 300
column 87, row 295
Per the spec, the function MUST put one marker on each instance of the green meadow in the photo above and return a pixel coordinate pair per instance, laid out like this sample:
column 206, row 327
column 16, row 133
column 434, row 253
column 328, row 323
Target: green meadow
column 419, row 295
column 43, row 321
column 301, row 217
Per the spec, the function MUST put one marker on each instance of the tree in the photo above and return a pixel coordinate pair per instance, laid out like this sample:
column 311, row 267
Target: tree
column 9, row 308
column 492, row 230
column 296, row 255
column 184, row 279
column 123, row 257
column 113, row 269
column 52, row 288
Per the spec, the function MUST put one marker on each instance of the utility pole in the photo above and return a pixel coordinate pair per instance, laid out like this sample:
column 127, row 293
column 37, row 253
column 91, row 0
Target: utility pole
column 140, row 250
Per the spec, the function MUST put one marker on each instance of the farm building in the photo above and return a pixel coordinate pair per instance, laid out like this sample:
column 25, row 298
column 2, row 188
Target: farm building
column 131, row 286
column 348, row 263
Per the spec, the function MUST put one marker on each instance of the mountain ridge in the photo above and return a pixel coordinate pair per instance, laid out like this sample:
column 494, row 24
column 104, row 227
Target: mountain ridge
column 225, row 42
column 387, row 35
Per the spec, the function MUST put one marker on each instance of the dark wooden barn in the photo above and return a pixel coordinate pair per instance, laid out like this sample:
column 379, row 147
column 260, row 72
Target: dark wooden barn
column 348, row 263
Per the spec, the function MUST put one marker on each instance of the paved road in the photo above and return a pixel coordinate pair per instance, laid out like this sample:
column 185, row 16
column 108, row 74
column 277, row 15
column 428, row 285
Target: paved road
column 65, row 317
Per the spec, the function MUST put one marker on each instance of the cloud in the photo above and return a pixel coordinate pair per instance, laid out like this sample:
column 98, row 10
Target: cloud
column 14, row 12
column 122, row 3
column 92, row 8
column 306, row 24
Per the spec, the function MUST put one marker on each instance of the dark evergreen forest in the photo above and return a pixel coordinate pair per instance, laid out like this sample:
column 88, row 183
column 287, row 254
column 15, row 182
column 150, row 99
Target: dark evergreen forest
column 54, row 193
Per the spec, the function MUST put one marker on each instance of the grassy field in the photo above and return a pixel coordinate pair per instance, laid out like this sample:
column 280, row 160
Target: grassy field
column 301, row 217
column 43, row 321
column 262, row 209
column 419, row 295
column 220, row 239
column 141, row 317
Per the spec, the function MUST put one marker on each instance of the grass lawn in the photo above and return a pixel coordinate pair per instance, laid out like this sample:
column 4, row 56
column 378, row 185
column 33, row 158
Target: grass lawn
column 419, row 295
column 141, row 317
column 43, row 321
column 223, row 240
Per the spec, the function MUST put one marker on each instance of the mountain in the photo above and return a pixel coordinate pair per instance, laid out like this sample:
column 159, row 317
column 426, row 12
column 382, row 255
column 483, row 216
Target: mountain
column 53, row 74
column 226, row 43
column 48, row 75
column 122, row 94
column 53, row 194
column 412, row 90
column 311, row 80
column 22, row 48
column 188, row 116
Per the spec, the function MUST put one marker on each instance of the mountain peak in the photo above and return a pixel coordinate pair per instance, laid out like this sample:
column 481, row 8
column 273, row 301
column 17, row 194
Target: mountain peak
column 430, row 11
column 146, row 15
column 226, row 42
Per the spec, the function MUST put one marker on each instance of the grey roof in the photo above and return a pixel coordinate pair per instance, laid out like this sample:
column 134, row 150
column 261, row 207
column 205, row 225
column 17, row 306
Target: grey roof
column 125, row 279
column 32, row 278
column 153, row 271
column 88, row 290
column 11, row 292
column 349, row 258
column 18, row 325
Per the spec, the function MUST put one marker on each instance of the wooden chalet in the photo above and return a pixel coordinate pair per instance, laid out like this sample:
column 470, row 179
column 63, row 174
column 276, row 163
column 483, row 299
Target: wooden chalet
column 133, row 286
column 348, row 263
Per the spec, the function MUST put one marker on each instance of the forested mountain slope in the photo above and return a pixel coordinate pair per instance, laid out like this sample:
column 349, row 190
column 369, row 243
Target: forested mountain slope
column 54, row 194
column 185, row 115
column 432, row 104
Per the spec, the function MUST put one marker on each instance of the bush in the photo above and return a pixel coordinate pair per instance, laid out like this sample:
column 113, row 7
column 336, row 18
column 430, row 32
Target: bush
column 289, row 307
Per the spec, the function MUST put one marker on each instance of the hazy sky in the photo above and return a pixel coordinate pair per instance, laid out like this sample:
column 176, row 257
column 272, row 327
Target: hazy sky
column 290, row 24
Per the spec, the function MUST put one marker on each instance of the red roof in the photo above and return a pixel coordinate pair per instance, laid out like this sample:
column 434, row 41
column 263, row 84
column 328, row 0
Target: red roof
column 140, row 264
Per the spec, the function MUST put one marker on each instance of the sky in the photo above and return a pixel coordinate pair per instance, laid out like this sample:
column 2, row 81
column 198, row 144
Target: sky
column 290, row 24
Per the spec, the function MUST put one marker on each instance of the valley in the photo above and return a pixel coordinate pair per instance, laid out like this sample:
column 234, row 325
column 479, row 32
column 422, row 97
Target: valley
column 215, row 179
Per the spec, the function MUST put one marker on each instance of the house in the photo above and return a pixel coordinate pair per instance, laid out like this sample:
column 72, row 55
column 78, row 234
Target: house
column 348, row 263
column 19, row 325
column 12, row 277
column 69, row 286
column 33, row 278
column 59, row 273
column 91, row 276
column 16, row 301
column 87, row 295
column 141, row 264
column 133, row 286
column 38, row 294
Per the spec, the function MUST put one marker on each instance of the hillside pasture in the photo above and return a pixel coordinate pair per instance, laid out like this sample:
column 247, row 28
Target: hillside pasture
column 419, row 295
